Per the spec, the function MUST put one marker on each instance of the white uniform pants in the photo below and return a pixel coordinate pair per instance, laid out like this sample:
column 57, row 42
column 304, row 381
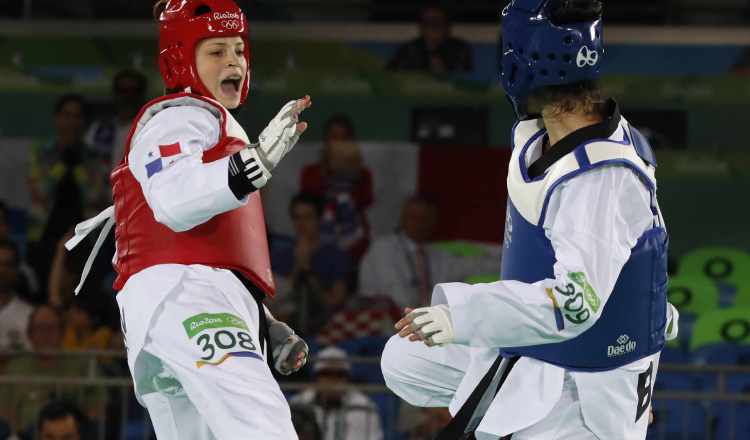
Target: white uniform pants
column 198, row 366
column 430, row 377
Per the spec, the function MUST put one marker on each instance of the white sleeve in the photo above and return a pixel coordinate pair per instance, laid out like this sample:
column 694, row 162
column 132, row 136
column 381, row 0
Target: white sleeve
column 593, row 222
column 166, row 157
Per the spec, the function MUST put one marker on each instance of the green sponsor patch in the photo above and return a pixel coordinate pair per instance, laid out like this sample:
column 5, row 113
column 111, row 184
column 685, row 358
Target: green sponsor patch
column 588, row 292
column 198, row 323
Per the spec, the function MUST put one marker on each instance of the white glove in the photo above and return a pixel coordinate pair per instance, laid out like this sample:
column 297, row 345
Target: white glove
column 290, row 352
column 281, row 134
column 434, row 324
column 250, row 168
column 673, row 320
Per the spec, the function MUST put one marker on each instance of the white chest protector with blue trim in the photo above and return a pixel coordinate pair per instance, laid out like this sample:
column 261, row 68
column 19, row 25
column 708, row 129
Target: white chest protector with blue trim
column 637, row 305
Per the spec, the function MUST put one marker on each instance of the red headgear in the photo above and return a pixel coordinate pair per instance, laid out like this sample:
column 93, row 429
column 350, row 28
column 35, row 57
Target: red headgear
column 182, row 25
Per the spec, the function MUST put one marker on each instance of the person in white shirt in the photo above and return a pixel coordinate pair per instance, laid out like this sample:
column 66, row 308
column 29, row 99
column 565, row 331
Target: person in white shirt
column 192, row 255
column 405, row 265
column 567, row 345
column 14, row 313
column 341, row 414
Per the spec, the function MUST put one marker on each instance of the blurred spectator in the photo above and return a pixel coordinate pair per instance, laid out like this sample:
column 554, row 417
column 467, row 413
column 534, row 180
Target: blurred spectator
column 345, row 185
column 62, row 280
column 405, row 267
column 60, row 420
column 14, row 313
column 108, row 135
column 67, row 181
column 435, row 51
column 84, row 329
column 315, row 270
column 305, row 422
column 343, row 414
column 423, row 423
column 27, row 286
column 21, row 401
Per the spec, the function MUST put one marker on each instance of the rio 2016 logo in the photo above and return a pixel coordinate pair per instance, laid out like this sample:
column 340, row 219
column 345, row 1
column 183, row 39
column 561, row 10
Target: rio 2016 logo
column 231, row 25
column 587, row 57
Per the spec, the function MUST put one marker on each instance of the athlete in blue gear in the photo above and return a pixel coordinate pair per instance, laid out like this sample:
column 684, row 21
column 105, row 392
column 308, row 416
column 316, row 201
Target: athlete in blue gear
column 567, row 345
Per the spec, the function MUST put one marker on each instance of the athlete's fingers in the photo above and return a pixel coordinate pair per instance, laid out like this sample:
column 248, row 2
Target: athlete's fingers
column 302, row 104
column 403, row 322
column 301, row 127
column 406, row 320
column 406, row 331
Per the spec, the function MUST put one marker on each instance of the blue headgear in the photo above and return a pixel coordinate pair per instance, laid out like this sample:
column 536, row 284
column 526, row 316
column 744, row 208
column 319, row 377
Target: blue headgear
column 538, row 53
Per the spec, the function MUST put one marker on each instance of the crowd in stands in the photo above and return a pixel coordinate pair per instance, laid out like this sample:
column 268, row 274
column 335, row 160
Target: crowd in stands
column 337, row 283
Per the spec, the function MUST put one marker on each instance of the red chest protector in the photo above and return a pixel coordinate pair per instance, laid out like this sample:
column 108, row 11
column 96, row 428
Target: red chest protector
column 233, row 240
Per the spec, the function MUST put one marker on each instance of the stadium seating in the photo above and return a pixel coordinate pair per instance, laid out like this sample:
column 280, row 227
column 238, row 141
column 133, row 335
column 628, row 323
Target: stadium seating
column 728, row 266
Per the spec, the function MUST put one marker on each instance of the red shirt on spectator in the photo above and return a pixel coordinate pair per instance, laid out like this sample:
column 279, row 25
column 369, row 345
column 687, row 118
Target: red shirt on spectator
column 346, row 188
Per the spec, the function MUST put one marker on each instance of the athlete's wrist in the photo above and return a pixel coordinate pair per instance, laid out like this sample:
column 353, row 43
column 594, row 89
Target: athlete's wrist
column 247, row 172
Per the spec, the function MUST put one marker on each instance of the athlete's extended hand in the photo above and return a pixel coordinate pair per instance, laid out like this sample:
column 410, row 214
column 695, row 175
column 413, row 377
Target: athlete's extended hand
column 290, row 352
column 432, row 325
column 282, row 133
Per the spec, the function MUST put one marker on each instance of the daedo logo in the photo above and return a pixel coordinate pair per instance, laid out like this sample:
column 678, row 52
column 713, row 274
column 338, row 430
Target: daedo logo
column 624, row 346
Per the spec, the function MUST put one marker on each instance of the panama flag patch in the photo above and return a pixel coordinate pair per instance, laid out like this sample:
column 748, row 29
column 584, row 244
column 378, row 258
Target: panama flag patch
column 162, row 153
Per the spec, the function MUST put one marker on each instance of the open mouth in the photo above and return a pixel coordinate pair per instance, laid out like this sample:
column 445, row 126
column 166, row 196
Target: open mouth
column 231, row 85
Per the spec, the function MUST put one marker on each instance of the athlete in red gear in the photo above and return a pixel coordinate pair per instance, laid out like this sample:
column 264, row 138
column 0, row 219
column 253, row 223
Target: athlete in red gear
column 192, row 257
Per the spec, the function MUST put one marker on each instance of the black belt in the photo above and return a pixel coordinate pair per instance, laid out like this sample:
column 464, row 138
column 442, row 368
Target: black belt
column 456, row 429
column 263, row 335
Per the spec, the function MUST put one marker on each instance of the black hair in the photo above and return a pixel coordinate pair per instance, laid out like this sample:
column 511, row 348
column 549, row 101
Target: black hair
column 72, row 97
column 434, row 5
column 342, row 120
column 307, row 199
column 60, row 409
column 131, row 74
column 7, row 244
column 583, row 96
